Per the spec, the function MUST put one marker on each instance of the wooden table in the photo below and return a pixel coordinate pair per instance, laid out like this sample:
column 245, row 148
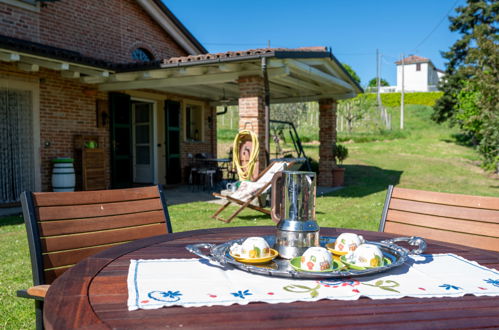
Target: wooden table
column 93, row 294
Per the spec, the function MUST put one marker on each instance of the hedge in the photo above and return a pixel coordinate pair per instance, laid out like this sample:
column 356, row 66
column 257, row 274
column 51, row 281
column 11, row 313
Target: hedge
column 421, row 98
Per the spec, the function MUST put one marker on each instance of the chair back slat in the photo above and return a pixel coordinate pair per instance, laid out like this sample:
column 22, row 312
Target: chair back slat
column 435, row 221
column 71, row 257
column 442, row 210
column 67, row 227
column 94, row 197
column 476, row 241
column 74, row 226
column 460, row 219
column 79, row 211
column 479, row 202
column 67, row 242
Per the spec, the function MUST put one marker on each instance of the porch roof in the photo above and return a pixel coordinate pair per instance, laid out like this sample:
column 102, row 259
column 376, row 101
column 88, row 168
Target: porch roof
column 295, row 75
column 301, row 74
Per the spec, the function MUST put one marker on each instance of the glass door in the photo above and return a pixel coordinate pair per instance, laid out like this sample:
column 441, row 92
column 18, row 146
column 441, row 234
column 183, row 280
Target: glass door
column 143, row 171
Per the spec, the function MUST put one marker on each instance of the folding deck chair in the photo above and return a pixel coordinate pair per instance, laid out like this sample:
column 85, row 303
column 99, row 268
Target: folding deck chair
column 249, row 190
column 66, row 227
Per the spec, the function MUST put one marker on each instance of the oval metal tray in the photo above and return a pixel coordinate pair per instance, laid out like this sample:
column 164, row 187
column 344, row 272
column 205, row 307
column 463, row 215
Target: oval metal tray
column 282, row 268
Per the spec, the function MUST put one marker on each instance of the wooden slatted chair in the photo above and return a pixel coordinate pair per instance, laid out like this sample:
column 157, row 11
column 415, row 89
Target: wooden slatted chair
column 66, row 227
column 460, row 219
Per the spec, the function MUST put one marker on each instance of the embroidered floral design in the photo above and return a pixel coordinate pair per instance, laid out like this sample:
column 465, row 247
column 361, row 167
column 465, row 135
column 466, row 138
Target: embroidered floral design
column 338, row 283
column 295, row 288
column 168, row 296
column 241, row 294
column 493, row 282
column 387, row 285
column 448, row 287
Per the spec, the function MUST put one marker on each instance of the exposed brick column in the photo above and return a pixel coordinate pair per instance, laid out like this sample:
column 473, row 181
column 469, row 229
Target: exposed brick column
column 327, row 136
column 252, row 113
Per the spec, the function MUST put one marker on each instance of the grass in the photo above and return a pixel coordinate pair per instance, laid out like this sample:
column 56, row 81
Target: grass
column 423, row 156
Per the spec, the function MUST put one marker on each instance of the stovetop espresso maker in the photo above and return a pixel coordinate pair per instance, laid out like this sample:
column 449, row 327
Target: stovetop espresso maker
column 293, row 208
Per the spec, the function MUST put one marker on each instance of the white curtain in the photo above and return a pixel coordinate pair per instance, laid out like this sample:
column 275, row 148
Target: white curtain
column 16, row 144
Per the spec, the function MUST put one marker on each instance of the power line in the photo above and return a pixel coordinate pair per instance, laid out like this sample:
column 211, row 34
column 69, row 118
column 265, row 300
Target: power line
column 436, row 27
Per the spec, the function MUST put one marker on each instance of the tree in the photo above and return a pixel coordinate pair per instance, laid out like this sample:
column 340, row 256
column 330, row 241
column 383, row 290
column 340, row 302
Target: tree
column 354, row 74
column 470, row 85
column 355, row 109
column 374, row 82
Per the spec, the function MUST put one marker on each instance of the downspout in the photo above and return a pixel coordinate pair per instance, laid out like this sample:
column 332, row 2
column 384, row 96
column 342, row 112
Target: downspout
column 266, row 99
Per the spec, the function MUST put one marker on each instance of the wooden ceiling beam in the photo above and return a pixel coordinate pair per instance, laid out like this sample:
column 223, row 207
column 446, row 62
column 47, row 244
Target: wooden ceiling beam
column 52, row 65
column 189, row 80
column 312, row 73
column 28, row 67
column 9, row 57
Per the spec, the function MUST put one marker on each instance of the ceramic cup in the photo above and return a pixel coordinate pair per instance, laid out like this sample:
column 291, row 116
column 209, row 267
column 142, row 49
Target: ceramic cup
column 348, row 242
column 316, row 259
column 252, row 248
column 366, row 255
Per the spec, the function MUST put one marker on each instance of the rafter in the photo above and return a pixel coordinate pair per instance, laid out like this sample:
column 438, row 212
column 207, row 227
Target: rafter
column 28, row 67
column 312, row 73
column 187, row 81
column 9, row 57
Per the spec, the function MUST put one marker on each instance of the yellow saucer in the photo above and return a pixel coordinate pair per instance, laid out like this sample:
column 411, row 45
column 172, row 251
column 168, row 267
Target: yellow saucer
column 273, row 255
column 336, row 254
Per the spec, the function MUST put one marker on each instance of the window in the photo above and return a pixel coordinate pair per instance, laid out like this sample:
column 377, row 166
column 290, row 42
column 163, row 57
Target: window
column 418, row 66
column 193, row 122
column 142, row 55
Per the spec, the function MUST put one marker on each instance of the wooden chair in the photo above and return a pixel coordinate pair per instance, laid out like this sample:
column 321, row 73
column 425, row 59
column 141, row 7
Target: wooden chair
column 249, row 190
column 66, row 227
column 460, row 219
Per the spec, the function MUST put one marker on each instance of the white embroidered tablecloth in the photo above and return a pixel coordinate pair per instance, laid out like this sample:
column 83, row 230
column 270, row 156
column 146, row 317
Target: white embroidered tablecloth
column 197, row 282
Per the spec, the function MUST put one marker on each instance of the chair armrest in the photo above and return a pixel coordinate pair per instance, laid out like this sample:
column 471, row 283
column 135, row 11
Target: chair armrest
column 36, row 292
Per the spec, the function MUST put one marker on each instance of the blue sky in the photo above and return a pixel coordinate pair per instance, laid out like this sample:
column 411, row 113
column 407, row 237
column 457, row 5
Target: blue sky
column 353, row 29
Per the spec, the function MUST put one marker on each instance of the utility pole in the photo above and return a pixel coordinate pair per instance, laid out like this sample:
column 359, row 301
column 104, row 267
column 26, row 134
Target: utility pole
column 378, row 80
column 378, row 87
column 402, row 97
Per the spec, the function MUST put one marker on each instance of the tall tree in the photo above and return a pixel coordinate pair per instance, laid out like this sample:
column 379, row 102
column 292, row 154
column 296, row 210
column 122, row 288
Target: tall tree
column 374, row 82
column 471, row 82
column 354, row 74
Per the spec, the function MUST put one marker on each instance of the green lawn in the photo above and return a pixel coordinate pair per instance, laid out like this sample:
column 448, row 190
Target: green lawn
column 424, row 156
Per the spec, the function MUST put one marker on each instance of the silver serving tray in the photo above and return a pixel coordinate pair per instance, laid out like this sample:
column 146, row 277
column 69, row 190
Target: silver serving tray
column 282, row 268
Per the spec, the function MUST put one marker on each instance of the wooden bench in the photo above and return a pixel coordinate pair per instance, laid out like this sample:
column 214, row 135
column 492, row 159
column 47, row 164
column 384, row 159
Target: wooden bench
column 453, row 218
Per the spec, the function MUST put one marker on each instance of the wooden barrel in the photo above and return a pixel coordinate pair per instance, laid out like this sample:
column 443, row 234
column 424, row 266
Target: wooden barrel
column 63, row 175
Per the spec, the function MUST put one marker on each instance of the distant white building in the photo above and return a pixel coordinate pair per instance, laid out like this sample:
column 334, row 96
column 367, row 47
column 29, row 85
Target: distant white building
column 420, row 75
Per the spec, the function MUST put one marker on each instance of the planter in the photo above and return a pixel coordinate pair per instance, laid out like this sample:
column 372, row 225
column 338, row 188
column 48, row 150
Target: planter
column 338, row 176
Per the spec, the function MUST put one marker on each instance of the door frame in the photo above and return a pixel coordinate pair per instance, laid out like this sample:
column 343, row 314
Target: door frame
column 154, row 142
column 34, row 88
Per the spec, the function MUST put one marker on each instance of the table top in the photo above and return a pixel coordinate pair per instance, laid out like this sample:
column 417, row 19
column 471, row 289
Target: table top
column 94, row 294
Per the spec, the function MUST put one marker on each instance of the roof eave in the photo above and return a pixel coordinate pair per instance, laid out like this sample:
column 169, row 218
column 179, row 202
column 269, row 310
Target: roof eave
column 171, row 24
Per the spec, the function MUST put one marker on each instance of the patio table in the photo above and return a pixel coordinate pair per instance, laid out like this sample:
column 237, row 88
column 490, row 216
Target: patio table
column 93, row 294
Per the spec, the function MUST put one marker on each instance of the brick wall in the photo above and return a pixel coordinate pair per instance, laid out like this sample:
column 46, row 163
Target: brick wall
column 107, row 30
column 327, row 136
column 65, row 111
column 252, row 113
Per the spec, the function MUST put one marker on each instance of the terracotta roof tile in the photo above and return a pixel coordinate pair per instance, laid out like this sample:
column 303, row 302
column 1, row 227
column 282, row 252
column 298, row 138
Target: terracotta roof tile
column 241, row 54
column 414, row 59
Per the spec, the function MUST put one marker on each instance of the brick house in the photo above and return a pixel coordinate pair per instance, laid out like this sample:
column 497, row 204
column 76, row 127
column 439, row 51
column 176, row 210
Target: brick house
column 128, row 75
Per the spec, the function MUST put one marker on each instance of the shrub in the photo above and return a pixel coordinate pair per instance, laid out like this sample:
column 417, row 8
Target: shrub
column 421, row 98
column 340, row 153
